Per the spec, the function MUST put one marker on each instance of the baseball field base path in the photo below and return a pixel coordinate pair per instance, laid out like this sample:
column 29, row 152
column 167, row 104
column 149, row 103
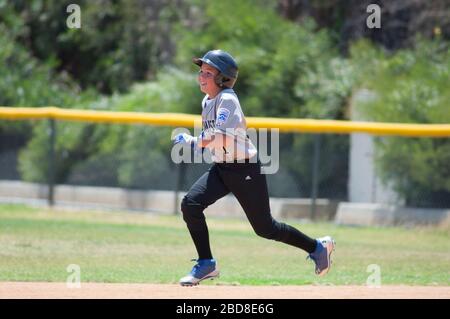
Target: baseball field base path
column 43, row 290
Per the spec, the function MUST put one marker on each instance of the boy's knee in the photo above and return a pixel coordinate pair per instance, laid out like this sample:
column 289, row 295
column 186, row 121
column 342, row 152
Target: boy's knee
column 186, row 208
column 191, row 209
column 265, row 234
column 268, row 232
column 273, row 230
column 184, row 205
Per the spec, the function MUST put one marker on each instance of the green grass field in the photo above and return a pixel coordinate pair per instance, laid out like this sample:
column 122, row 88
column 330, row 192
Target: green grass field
column 38, row 244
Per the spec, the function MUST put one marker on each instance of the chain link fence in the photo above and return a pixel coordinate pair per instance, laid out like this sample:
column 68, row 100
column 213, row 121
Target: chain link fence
column 338, row 167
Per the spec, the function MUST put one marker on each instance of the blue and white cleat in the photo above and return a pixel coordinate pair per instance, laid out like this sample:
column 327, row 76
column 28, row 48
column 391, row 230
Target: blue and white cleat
column 203, row 269
column 322, row 255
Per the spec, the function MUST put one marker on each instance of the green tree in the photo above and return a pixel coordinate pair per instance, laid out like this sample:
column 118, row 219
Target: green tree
column 410, row 87
column 131, row 156
column 119, row 42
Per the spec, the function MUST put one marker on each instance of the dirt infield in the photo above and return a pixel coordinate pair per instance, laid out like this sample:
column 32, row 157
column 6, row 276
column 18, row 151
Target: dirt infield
column 43, row 290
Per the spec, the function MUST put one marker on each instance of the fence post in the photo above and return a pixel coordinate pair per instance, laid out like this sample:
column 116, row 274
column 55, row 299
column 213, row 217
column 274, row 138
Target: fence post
column 51, row 163
column 315, row 176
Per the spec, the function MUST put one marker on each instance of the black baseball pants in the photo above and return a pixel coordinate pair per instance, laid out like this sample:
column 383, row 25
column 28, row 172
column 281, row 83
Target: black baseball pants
column 249, row 186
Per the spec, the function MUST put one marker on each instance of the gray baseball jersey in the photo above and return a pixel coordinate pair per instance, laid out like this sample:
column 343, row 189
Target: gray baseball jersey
column 223, row 115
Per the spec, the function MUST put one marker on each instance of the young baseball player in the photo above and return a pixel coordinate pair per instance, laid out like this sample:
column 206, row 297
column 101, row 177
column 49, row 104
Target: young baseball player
column 236, row 169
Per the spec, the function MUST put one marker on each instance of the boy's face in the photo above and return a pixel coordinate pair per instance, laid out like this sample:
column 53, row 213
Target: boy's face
column 206, row 77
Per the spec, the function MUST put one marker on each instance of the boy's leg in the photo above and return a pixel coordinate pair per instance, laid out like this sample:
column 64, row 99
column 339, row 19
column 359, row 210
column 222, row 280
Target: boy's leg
column 205, row 191
column 249, row 186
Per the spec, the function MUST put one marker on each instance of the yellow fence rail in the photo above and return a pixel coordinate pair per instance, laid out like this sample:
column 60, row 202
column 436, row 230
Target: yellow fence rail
column 188, row 120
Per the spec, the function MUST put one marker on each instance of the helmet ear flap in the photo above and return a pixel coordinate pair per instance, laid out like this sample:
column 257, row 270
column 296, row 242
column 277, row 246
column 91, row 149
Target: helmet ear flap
column 220, row 80
column 230, row 83
column 224, row 82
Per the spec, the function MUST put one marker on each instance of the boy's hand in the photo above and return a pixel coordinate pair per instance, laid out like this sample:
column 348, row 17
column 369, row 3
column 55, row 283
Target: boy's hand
column 184, row 139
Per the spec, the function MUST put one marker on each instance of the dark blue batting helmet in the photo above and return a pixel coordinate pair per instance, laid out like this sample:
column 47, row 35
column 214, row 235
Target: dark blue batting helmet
column 223, row 62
